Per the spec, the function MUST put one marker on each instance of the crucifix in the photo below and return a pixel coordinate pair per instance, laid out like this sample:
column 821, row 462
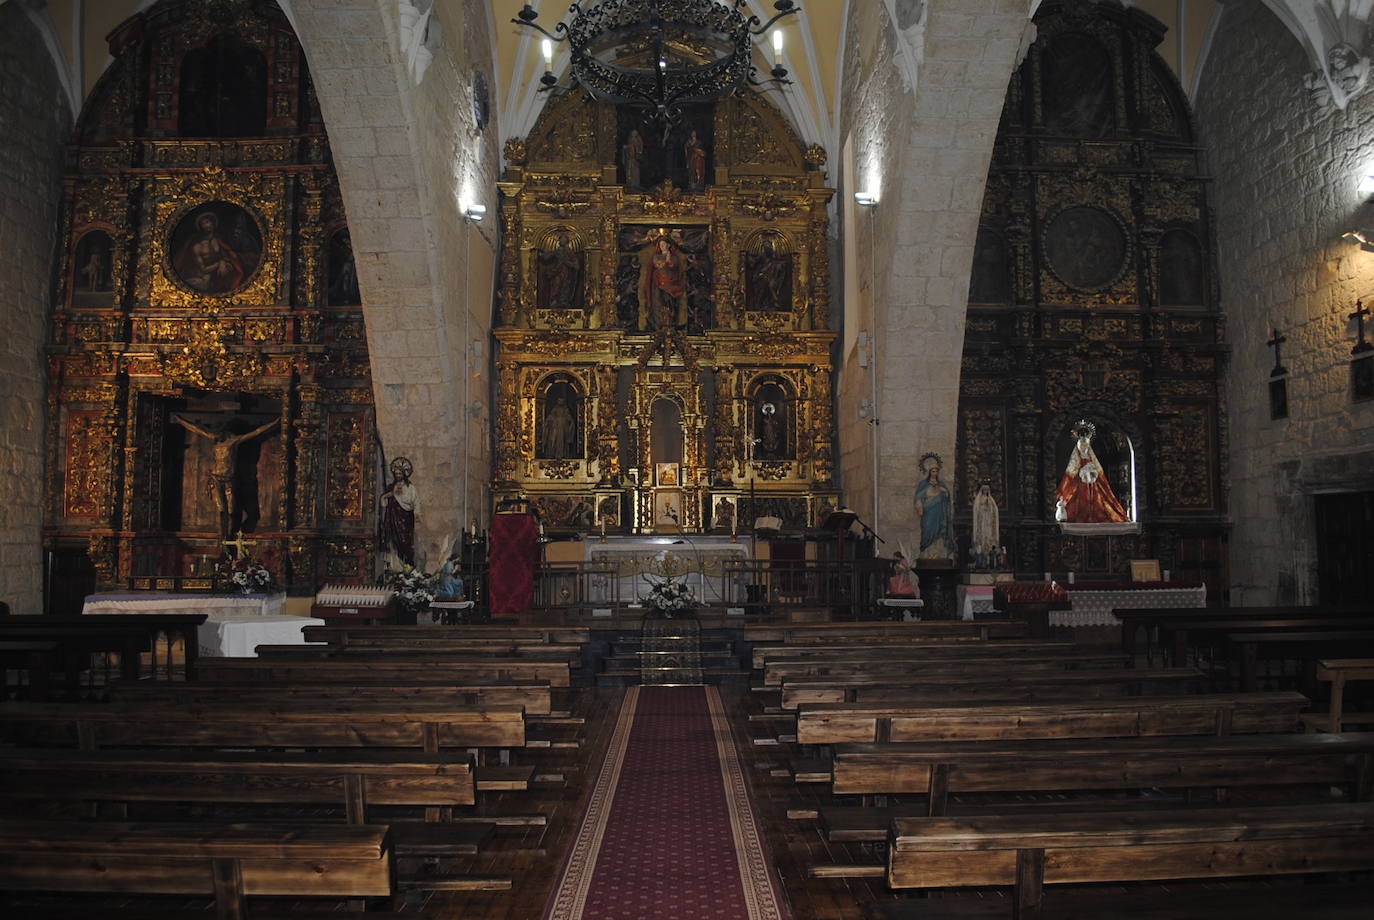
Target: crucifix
column 1363, row 345
column 1277, row 341
column 239, row 544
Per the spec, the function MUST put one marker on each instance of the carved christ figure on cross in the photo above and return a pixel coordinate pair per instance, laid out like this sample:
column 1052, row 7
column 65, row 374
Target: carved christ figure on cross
column 1362, row 344
column 224, row 447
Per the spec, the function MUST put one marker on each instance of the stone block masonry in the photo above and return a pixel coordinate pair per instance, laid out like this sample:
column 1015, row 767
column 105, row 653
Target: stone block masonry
column 34, row 123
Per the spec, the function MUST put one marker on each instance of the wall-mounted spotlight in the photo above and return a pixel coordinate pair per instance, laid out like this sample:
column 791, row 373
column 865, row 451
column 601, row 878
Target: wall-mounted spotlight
column 475, row 212
column 1360, row 236
column 866, row 199
column 1366, row 187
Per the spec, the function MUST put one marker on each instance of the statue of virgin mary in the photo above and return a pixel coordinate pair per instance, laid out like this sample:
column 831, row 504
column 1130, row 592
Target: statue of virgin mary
column 1086, row 494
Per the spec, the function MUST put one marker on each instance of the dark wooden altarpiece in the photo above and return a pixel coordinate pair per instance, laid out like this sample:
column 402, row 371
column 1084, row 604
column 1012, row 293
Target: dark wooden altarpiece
column 209, row 280
column 1093, row 297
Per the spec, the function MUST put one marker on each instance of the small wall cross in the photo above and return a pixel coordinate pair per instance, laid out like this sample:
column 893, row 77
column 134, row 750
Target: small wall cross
column 239, row 544
column 1275, row 343
column 1363, row 345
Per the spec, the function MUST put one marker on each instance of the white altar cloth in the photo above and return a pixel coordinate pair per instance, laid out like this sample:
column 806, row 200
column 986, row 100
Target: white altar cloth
column 214, row 605
column 240, row 636
column 1094, row 608
column 637, row 563
column 974, row 599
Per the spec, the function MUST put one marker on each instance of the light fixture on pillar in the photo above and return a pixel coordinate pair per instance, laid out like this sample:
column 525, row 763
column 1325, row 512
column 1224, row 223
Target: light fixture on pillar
column 661, row 55
column 475, row 212
column 866, row 199
column 1359, row 234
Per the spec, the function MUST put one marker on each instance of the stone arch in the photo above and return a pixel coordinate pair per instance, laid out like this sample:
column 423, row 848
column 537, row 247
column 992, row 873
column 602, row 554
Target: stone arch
column 925, row 151
column 409, row 163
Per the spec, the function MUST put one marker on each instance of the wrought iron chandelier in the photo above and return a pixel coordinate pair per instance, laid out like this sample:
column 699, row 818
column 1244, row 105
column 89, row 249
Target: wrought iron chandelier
column 661, row 55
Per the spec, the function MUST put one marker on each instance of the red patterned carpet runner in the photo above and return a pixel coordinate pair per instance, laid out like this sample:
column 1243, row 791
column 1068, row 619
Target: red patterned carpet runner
column 669, row 832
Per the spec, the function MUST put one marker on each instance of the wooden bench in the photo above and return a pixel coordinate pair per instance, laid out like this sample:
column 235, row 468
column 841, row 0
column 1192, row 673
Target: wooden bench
column 1135, row 619
column 569, row 654
column 533, row 696
column 1220, row 714
column 1309, row 645
column 987, row 683
column 305, row 670
column 778, row 673
column 939, row 769
column 33, row 663
column 229, row 863
column 308, row 724
column 177, row 627
column 869, row 630
column 1340, row 671
column 1030, row 851
column 355, row 634
column 906, row 648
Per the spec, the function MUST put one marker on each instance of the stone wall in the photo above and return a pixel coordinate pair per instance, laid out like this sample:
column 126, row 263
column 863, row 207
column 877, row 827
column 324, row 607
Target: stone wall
column 922, row 104
column 409, row 156
column 34, row 121
column 1286, row 171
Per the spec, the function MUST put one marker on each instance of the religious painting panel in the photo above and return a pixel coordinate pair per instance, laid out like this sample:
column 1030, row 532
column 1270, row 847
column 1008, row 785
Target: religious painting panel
column 669, row 513
column 345, row 466
column 215, row 248
column 791, row 510
column 680, row 153
column 1181, row 281
column 667, row 474
column 341, row 271
column 724, row 515
column 567, row 512
column 665, row 278
column 87, row 465
column 559, row 432
column 560, row 270
column 1096, row 465
column 1086, row 247
column 768, row 268
column 1076, row 87
column 223, row 90
column 991, row 279
column 92, row 278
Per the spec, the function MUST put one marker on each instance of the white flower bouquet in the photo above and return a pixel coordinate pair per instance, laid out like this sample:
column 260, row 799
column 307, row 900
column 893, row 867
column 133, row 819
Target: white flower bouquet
column 670, row 598
column 248, row 575
column 414, row 589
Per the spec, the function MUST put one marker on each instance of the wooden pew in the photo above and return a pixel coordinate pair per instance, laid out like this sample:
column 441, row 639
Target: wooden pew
column 985, row 683
column 866, row 630
column 306, row 670
column 777, row 673
column 362, row 634
column 1220, row 714
column 282, row 724
column 229, row 863
column 938, row 769
column 1339, row 671
column 33, row 663
column 1030, row 851
column 897, row 648
column 533, row 696
column 1178, row 619
column 571, row 654
column 175, row 626
column 1252, row 646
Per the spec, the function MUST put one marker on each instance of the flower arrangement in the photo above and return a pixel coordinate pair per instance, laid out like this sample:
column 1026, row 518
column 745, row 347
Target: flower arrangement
column 248, row 575
column 670, row 598
column 414, row 589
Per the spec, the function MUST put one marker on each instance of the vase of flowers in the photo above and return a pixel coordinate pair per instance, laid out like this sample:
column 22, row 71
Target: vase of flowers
column 414, row 589
column 248, row 575
column 670, row 599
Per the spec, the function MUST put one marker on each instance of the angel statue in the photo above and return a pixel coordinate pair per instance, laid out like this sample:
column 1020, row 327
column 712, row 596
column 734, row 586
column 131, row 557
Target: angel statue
column 903, row 581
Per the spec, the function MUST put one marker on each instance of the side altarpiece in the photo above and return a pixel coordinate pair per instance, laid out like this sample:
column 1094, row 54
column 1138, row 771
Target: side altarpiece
column 208, row 366
column 663, row 321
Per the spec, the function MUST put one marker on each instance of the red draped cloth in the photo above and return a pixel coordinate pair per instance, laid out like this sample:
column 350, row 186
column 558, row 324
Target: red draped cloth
column 514, row 560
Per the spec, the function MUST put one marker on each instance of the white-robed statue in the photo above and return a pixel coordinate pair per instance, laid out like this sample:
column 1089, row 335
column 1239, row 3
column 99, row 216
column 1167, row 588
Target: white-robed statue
column 986, row 527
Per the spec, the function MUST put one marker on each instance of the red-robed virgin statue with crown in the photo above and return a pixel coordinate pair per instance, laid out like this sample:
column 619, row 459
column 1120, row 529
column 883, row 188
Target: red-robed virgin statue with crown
column 1084, row 494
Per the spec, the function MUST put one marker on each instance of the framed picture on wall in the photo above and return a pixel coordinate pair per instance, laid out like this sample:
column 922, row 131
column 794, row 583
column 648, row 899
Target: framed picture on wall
column 666, row 474
column 1145, row 570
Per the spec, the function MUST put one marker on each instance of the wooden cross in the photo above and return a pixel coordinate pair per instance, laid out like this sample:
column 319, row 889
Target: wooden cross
column 239, row 544
column 1363, row 345
column 1278, row 340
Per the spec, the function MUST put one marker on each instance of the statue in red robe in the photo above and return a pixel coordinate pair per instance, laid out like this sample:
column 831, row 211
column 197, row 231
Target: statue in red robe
column 1087, row 495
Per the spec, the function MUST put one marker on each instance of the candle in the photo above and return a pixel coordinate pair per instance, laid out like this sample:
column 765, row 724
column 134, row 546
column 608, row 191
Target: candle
column 1047, row 576
column 1071, row 578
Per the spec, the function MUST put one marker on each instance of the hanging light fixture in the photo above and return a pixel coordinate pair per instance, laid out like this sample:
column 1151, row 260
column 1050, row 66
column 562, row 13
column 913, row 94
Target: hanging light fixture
column 661, row 55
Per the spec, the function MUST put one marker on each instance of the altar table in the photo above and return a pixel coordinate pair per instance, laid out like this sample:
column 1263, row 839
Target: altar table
column 240, row 636
column 224, row 605
column 974, row 599
column 1092, row 605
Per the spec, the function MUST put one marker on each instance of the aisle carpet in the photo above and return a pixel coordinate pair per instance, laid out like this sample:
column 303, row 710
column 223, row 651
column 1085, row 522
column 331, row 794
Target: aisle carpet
column 669, row 831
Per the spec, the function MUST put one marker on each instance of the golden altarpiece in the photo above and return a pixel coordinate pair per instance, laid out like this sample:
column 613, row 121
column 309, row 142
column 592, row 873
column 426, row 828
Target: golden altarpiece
column 208, row 367
column 663, row 321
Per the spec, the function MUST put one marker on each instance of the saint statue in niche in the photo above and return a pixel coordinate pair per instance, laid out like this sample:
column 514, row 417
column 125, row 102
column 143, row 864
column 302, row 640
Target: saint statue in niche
column 93, row 258
column 631, row 153
column 694, row 152
column 934, row 512
column 561, row 272
column 558, row 434
column 343, row 272
column 1085, row 493
column 768, row 277
column 986, row 528
column 664, row 302
column 216, row 248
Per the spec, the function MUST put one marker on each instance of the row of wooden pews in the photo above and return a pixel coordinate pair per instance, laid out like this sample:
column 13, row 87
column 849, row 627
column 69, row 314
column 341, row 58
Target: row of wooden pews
column 979, row 772
column 198, row 787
